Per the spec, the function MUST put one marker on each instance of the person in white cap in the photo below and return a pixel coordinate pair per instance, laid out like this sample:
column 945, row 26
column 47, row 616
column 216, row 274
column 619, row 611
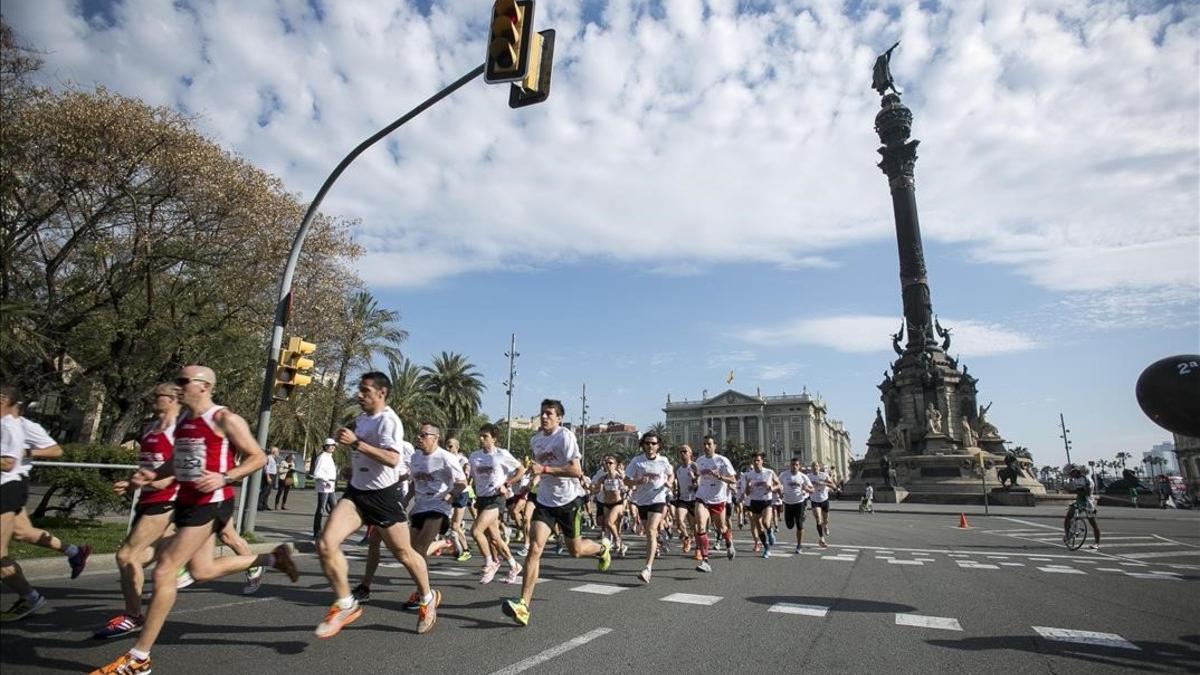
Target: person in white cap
column 324, row 475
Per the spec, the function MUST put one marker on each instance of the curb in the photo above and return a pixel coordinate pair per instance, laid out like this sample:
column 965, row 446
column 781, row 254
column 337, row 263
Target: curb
column 56, row 566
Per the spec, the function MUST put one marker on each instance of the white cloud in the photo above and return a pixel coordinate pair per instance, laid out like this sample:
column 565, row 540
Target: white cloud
column 862, row 334
column 1058, row 139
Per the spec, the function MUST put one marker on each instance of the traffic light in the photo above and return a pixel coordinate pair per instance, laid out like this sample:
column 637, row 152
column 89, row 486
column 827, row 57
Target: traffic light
column 509, row 40
column 294, row 367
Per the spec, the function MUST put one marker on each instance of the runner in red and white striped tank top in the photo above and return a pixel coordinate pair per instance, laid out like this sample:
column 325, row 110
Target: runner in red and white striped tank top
column 157, row 446
column 199, row 448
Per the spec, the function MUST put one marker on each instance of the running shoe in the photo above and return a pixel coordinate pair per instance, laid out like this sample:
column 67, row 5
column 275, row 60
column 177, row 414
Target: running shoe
column 361, row 593
column 284, row 563
column 125, row 665
column 336, row 619
column 1094, row 547
column 79, row 561
column 644, row 575
column 120, row 626
column 687, row 544
column 605, row 558
column 184, row 578
column 757, row 546
column 766, row 552
column 464, row 556
column 427, row 613
column 799, row 549
column 22, row 608
column 517, row 609
column 822, row 543
column 703, row 566
column 624, row 549
column 489, row 572
column 254, row 577
column 413, row 602
column 559, row 550
column 730, row 551
column 514, row 574
column 524, row 552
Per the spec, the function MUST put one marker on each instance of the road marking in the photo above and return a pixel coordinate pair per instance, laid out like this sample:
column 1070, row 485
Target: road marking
column 1148, row 543
column 545, row 656
column 1012, row 564
column 843, row 558
column 939, row 622
column 1150, row 575
column 906, row 562
column 804, row 610
column 957, row 553
column 1085, row 637
column 228, row 604
column 1031, row 523
column 1133, row 564
column 1062, row 570
column 998, row 557
column 884, row 550
column 1160, row 554
column 598, row 589
column 450, row 573
column 1109, row 569
column 925, row 559
column 1042, row 559
column 692, row 599
column 781, row 555
column 967, row 565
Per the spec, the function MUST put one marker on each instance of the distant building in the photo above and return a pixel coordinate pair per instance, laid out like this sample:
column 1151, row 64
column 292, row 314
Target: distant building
column 780, row 426
column 1164, row 451
column 625, row 435
column 520, row 422
column 1187, row 453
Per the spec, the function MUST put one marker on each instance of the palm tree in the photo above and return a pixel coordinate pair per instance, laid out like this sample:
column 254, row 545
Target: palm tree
column 455, row 387
column 1122, row 457
column 408, row 396
column 660, row 428
column 366, row 329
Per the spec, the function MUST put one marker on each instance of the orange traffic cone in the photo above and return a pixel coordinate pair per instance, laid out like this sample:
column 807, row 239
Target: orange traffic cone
column 962, row 521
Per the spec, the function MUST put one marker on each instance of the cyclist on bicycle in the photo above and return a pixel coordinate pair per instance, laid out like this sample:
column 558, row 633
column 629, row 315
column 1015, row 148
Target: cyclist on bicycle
column 1084, row 502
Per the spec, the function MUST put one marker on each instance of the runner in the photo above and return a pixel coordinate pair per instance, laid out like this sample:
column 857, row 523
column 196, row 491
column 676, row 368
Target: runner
column 462, row 501
column 685, row 496
column 559, row 502
column 759, row 484
column 372, row 498
column 608, row 485
column 714, row 475
column 438, row 480
column 867, row 505
column 650, row 476
column 206, row 439
column 374, row 541
column 820, row 501
column 494, row 471
column 515, row 503
column 796, row 489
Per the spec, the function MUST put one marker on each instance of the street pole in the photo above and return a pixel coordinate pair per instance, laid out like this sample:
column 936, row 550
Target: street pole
column 983, row 483
column 512, row 377
column 583, row 421
column 250, row 484
column 1062, row 423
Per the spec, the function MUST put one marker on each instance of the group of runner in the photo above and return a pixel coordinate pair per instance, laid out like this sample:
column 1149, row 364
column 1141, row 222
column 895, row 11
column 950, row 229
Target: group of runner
column 413, row 499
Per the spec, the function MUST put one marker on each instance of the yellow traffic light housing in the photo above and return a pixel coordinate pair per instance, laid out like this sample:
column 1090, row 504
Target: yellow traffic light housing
column 509, row 38
column 294, row 368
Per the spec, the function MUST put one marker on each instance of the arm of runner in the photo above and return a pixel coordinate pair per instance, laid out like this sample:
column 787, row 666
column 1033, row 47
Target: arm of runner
column 385, row 456
column 571, row 470
column 252, row 456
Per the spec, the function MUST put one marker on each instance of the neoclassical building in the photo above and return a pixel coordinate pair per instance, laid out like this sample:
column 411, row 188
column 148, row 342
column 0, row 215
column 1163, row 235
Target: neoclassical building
column 780, row 426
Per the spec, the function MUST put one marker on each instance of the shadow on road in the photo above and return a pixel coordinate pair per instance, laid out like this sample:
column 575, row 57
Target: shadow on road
column 1152, row 656
column 835, row 604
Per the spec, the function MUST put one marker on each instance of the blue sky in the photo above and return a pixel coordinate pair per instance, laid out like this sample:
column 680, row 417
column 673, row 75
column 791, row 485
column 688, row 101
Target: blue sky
column 699, row 193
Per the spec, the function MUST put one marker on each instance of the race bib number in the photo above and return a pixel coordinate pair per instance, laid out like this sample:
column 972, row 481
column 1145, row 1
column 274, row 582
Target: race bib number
column 612, row 485
column 189, row 459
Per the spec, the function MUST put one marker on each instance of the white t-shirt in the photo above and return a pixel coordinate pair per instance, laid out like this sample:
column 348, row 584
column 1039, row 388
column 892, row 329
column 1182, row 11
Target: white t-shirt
column 684, row 487
column 820, row 481
column 490, row 470
column 756, row 485
column 272, row 465
column 12, row 444
column 381, row 430
column 793, row 487
column 325, row 472
column 557, row 449
column 657, row 471
column 713, row 490
column 612, row 488
column 407, row 450
column 36, row 438
column 434, row 476
column 868, row 492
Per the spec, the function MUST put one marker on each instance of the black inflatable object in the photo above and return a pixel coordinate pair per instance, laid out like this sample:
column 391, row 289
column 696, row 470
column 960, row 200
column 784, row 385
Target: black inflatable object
column 1169, row 393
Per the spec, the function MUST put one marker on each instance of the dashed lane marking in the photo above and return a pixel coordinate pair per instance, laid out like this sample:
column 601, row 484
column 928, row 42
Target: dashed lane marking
column 939, row 622
column 842, row 558
column 692, row 599
column 906, row 562
column 1085, row 637
column 967, row 565
column 1160, row 554
column 1062, row 570
column 598, row 589
column 803, row 610
column 1150, row 575
column 1012, row 564
column 552, row 652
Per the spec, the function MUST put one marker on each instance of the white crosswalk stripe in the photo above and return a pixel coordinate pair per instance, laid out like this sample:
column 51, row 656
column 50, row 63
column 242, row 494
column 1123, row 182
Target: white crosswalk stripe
column 793, row 608
column 939, row 622
column 598, row 589
column 692, row 599
column 1085, row 637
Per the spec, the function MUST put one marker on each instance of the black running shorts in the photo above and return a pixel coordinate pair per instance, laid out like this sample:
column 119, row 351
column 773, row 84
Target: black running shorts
column 757, row 506
column 13, row 495
column 569, row 517
column 793, row 514
column 218, row 514
column 419, row 520
column 645, row 511
column 381, row 508
column 492, row 502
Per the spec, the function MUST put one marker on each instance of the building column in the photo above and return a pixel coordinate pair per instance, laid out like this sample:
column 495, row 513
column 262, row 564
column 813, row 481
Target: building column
column 763, row 443
column 741, row 429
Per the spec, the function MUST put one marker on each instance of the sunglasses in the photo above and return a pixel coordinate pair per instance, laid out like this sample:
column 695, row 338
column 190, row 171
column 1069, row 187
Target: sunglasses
column 423, row 434
column 185, row 381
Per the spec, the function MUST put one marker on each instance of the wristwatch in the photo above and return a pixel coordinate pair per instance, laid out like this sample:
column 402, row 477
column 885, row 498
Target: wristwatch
column 228, row 480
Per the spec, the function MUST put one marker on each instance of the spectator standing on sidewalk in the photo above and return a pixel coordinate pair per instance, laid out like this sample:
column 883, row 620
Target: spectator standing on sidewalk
column 324, row 475
column 270, row 473
column 285, row 477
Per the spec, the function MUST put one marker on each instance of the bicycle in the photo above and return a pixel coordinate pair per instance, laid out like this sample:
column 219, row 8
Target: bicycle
column 1077, row 531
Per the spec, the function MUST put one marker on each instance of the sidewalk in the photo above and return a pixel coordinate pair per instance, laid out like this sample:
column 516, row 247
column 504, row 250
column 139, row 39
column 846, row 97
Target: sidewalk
column 1042, row 511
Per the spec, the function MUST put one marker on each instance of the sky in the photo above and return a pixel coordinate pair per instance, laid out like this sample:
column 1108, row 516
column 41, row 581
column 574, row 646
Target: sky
column 699, row 194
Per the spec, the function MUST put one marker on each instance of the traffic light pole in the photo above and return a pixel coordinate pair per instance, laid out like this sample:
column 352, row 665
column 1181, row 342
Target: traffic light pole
column 248, row 504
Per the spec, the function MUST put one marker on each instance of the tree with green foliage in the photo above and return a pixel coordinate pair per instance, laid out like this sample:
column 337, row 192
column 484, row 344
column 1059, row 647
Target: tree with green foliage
column 365, row 329
column 456, row 388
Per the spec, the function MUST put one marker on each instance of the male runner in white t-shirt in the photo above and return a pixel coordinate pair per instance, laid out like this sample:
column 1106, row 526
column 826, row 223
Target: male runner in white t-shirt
column 714, row 476
column 494, row 471
column 650, row 477
column 796, row 489
column 820, row 500
column 759, row 484
column 685, row 496
column 559, row 502
column 372, row 498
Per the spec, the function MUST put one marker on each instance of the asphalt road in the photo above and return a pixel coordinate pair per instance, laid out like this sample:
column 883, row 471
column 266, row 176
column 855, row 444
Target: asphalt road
column 896, row 592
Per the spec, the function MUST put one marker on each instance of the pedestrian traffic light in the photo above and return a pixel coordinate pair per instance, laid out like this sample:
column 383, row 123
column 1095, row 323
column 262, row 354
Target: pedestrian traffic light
column 294, row 368
column 509, row 40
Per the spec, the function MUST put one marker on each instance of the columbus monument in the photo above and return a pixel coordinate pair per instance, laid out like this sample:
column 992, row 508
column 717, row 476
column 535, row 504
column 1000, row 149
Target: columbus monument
column 931, row 439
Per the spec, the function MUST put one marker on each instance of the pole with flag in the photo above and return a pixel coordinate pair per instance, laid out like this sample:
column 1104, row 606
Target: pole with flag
column 729, row 378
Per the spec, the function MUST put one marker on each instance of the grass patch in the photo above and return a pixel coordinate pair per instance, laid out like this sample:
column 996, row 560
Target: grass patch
column 104, row 537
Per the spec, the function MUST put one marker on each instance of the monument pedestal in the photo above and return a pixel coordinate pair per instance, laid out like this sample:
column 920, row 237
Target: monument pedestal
column 1018, row 496
column 890, row 495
